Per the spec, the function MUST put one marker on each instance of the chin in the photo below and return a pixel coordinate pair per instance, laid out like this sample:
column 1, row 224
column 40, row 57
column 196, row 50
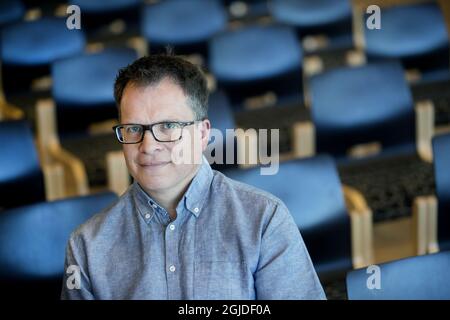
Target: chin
column 154, row 183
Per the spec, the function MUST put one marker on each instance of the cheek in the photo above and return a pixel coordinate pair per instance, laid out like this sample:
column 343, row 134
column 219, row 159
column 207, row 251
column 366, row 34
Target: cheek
column 130, row 153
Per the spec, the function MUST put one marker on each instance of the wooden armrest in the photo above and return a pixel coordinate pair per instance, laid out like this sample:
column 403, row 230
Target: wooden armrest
column 425, row 220
column 433, row 244
column 424, row 129
column 76, row 182
column 358, row 25
column 420, row 225
column 75, row 172
column 315, row 42
column 312, row 65
column 361, row 227
column 54, row 181
column 9, row 111
column 139, row 44
column 303, row 139
column 355, row 58
column 117, row 172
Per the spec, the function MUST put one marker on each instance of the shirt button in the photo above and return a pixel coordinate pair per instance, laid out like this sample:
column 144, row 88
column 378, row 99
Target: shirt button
column 172, row 227
column 196, row 209
column 172, row 268
column 147, row 216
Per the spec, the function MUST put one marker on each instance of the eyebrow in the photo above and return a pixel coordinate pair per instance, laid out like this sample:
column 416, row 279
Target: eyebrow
column 167, row 120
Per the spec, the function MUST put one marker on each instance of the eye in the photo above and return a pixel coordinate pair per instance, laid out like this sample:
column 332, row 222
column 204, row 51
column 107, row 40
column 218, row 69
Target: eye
column 133, row 129
column 171, row 125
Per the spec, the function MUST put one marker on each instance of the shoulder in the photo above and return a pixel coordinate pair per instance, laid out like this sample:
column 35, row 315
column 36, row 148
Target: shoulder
column 104, row 222
column 249, row 198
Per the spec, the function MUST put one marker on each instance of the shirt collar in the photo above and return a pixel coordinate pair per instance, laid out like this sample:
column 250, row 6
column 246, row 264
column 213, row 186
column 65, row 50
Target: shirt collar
column 195, row 196
column 193, row 199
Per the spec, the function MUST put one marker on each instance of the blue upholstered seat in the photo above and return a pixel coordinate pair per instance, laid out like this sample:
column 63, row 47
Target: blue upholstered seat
column 256, row 58
column 312, row 191
column 99, row 6
column 21, row 179
column 311, row 13
column 33, row 240
column 10, row 11
column 221, row 116
column 39, row 42
column 361, row 105
column 88, row 79
column 181, row 23
column 441, row 151
column 83, row 87
column 416, row 278
column 410, row 32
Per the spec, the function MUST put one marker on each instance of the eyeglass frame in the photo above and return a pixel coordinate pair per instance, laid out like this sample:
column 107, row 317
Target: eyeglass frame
column 149, row 127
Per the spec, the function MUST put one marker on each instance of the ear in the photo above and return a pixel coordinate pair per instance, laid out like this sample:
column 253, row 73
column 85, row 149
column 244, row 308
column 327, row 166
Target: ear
column 205, row 130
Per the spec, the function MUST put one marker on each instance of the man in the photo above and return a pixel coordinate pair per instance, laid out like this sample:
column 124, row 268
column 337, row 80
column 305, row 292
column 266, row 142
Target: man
column 182, row 230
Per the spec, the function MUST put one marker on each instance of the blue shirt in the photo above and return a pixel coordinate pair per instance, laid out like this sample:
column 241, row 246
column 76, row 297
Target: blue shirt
column 228, row 241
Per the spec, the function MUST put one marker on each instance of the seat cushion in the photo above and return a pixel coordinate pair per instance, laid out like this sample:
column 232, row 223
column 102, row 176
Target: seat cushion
column 40, row 42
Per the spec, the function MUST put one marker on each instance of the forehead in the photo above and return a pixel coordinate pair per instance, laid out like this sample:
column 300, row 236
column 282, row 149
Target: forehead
column 158, row 102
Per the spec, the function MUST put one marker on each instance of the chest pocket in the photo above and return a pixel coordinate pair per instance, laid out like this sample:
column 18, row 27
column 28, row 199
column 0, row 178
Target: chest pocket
column 221, row 280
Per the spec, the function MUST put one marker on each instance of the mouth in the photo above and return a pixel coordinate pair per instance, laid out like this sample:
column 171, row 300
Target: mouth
column 154, row 164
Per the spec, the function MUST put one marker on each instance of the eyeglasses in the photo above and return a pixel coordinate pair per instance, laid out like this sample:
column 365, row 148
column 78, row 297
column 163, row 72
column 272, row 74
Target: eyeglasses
column 167, row 131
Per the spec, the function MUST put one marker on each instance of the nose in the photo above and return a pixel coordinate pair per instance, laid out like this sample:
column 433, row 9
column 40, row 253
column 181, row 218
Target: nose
column 149, row 145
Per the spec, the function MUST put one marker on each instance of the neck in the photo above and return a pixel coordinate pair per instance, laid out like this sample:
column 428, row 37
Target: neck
column 169, row 198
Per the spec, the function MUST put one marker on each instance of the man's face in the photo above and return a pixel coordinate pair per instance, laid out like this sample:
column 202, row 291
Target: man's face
column 151, row 163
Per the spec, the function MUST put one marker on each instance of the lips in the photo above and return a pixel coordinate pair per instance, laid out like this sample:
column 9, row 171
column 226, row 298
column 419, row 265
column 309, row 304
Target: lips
column 153, row 164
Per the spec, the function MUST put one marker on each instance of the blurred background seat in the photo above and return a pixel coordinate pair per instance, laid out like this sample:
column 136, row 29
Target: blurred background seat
column 185, row 25
column 423, row 45
column 255, row 60
column 84, row 108
column 11, row 11
column 222, row 119
column 33, row 240
column 441, row 149
column 28, row 48
column 97, row 13
column 21, row 176
column 365, row 116
column 352, row 106
column 415, row 278
column 312, row 191
column 332, row 19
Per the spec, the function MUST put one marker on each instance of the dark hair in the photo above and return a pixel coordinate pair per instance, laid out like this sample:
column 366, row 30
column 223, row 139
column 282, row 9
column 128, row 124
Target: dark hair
column 150, row 70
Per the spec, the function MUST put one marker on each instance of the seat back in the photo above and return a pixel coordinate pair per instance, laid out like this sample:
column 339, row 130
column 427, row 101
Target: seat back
column 424, row 46
column 82, row 87
column 185, row 25
column 312, row 17
column 311, row 190
column 33, row 241
column 21, row 179
column 253, row 60
column 441, row 151
column 221, row 116
column 415, row 278
column 360, row 105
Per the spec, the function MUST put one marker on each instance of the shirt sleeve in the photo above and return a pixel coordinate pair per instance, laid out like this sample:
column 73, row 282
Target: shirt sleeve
column 285, row 270
column 76, row 283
